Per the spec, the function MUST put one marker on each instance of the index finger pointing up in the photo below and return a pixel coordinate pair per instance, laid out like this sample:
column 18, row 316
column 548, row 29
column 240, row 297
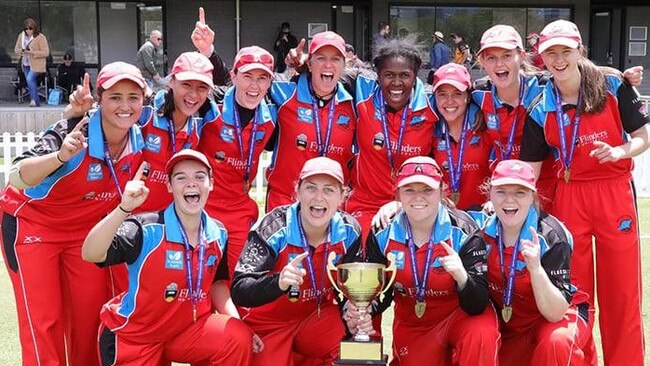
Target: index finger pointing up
column 201, row 15
column 296, row 261
column 448, row 248
column 139, row 173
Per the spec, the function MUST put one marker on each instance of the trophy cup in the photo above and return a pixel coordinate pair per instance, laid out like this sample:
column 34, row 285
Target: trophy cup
column 361, row 283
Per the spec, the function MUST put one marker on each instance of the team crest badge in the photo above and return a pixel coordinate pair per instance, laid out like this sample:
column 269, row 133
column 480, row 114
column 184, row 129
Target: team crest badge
column 378, row 141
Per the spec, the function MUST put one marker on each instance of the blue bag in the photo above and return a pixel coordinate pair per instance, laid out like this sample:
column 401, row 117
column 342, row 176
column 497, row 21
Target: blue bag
column 55, row 97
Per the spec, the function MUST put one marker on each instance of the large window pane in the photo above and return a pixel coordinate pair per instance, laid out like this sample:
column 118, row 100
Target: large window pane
column 12, row 15
column 71, row 26
column 420, row 20
column 539, row 17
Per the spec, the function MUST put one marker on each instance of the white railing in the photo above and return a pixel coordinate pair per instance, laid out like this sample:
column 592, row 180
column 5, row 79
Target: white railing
column 13, row 145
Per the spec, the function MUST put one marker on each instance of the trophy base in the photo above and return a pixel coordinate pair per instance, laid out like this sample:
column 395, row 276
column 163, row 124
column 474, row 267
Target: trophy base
column 382, row 362
column 353, row 352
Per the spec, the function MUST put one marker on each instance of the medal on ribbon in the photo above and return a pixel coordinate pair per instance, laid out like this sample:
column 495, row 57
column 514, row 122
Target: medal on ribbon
column 420, row 283
column 322, row 147
column 194, row 289
column 310, row 265
column 455, row 171
column 509, row 281
column 567, row 156
column 507, row 151
column 251, row 144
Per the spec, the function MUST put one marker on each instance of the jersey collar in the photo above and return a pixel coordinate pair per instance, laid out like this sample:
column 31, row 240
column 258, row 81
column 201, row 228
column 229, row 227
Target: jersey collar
column 173, row 226
column 492, row 224
column 96, row 137
column 230, row 107
column 419, row 99
column 305, row 95
column 338, row 232
column 441, row 232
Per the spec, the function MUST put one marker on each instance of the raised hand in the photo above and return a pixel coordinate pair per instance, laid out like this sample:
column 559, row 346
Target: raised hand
column 453, row 265
column 202, row 35
column 384, row 216
column 606, row 153
column 634, row 75
column 135, row 191
column 296, row 57
column 73, row 142
column 530, row 250
column 81, row 100
column 292, row 274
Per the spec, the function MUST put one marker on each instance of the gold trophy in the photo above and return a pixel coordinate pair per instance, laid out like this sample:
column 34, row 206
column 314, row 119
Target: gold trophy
column 361, row 283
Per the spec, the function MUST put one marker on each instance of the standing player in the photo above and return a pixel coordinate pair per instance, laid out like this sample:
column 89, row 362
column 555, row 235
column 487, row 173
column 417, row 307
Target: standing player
column 234, row 141
column 461, row 144
column 58, row 190
column 603, row 125
column 395, row 122
column 281, row 274
column 544, row 320
column 177, row 271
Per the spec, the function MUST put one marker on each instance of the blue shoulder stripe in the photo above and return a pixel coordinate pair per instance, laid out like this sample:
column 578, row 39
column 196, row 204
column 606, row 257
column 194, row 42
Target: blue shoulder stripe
column 41, row 190
column 282, row 91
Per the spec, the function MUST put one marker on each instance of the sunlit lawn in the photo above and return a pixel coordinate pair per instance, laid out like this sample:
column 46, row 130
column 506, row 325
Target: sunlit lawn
column 10, row 347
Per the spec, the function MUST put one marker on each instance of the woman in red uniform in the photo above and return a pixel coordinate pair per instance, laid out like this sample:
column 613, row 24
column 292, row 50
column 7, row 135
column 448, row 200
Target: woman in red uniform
column 58, row 190
column 596, row 123
column 281, row 273
column 176, row 260
column 234, row 141
column 442, row 313
column 544, row 320
column 395, row 122
column 461, row 144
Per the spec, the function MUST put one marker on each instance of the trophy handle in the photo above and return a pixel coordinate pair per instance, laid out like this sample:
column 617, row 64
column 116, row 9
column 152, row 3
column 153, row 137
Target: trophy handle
column 331, row 267
column 391, row 268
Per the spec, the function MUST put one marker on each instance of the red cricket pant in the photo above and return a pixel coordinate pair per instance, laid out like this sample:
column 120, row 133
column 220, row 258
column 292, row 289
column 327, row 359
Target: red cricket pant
column 459, row 339
column 309, row 341
column 546, row 190
column 237, row 216
column 214, row 339
column 606, row 210
column 548, row 344
column 58, row 294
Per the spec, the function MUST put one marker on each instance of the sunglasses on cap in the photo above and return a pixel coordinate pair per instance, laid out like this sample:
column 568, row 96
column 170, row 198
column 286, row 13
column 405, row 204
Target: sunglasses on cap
column 410, row 169
column 264, row 58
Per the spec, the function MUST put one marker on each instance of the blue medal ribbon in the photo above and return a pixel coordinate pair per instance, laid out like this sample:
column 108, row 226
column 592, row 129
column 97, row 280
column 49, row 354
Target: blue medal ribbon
column 420, row 284
column 567, row 158
column 505, row 153
column 322, row 148
column 251, row 143
column 109, row 161
column 455, row 170
column 172, row 134
column 384, row 125
column 194, row 290
column 509, row 282
column 310, row 263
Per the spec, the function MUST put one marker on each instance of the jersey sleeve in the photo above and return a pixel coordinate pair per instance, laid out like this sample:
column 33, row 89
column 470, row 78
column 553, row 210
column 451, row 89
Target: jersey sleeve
column 633, row 113
column 557, row 265
column 220, row 74
column 533, row 146
column 222, row 270
column 126, row 245
column 474, row 296
column 252, row 284
column 51, row 139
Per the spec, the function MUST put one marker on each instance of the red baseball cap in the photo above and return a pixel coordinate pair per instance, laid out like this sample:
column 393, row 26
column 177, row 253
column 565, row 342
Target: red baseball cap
column 514, row 172
column 114, row 72
column 322, row 165
column 253, row 57
column 501, row 36
column 454, row 75
column 419, row 169
column 187, row 154
column 193, row 66
column 559, row 32
column 328, row 38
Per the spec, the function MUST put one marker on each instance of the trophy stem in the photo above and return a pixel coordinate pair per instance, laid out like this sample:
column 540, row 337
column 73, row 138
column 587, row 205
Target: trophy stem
column 362, row 336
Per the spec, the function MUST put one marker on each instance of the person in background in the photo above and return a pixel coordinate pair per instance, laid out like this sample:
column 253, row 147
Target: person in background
column 283, row 43
column 33, row 49
column 381, row 37
column 351, row 59
column 440, row 53
column 462, row 53
column 150, row 61
column 69, row 74
column 535, row 58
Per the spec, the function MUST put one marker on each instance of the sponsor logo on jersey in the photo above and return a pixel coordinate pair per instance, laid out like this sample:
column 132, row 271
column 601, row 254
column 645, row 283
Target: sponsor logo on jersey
column 259, row 135
column 174, row 259
column 304, row 114
column 95, row 172
column 492, row 122
column 474, row 141
column 417, row 120
column 153, row 142
column 220, row 156
column 343, row 121
column 400, row 256
column 212, row 260
column 378, row 141
column 227, row 134
column 442, row 145
column 171, row 292
column 301, row 141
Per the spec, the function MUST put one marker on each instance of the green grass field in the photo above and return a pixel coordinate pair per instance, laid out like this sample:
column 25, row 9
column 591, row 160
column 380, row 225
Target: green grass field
column 10, row 346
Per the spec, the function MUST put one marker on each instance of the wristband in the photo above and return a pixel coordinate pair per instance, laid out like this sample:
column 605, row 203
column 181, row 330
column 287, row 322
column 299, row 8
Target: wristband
column 123, row 210
column 59, row 158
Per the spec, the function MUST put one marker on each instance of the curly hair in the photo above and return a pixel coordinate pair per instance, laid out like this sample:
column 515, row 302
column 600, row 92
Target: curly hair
column 406, row 47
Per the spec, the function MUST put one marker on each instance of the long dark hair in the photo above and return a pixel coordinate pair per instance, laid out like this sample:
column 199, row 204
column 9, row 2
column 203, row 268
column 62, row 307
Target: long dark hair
column 592, row 85
column 31, row 23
